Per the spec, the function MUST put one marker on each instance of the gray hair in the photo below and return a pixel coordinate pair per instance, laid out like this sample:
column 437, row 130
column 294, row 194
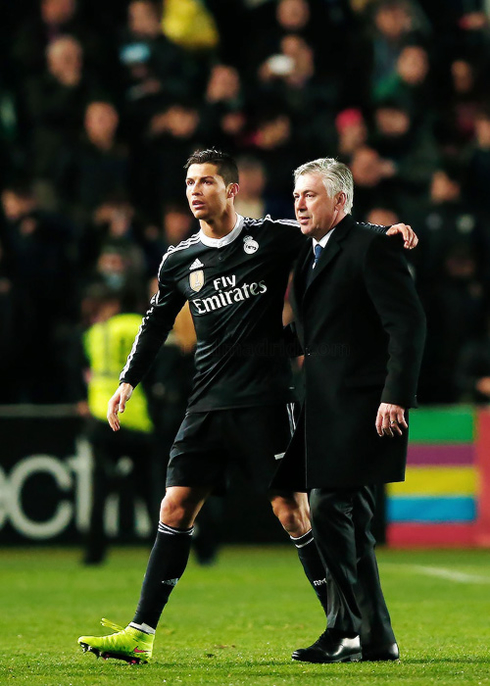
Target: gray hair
column 336, row 177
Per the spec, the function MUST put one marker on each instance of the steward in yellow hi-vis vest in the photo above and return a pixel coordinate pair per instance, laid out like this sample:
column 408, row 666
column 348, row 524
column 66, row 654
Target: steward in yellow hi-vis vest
column 107, row 345
column 123, row 462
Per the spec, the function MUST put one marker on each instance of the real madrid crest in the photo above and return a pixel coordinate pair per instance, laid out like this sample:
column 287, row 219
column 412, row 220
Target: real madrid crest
column 196, row 280
column 250, row 245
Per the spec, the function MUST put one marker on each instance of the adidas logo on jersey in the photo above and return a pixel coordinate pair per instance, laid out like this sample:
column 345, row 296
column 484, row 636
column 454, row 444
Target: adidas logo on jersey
column 197, row 264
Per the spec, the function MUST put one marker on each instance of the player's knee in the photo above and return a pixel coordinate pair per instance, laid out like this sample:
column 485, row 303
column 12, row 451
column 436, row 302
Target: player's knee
column 176, row 513
column 293, row 519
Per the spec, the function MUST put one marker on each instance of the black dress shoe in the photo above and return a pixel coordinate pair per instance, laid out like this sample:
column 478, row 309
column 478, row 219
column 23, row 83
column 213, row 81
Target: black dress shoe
column 331, row 649
column 380, row 653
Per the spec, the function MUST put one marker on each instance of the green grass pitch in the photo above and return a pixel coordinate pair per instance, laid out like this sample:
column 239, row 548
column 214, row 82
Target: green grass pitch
column 237, row 622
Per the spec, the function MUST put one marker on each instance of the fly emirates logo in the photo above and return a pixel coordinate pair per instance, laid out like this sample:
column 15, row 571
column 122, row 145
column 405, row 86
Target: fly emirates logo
column 228, row 293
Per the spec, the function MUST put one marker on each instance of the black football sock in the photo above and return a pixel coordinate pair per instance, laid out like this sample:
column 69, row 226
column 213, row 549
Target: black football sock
column 313, row 566
column 167, row 563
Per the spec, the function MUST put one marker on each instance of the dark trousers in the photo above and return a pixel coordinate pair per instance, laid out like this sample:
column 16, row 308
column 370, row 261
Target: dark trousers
column 341, row 521
column 108, row 448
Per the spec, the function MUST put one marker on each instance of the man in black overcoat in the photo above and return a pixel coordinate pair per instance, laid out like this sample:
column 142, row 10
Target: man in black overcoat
column 362, row 330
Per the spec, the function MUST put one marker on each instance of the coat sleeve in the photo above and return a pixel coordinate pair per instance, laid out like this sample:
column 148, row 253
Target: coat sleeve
column 392, row 291
column 155, row 327
column 291, row 339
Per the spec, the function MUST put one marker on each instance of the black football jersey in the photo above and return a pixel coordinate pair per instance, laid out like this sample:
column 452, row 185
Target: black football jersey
column 235, row 286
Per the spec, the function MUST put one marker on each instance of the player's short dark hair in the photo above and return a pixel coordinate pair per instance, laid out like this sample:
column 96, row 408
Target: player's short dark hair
column 225, row 164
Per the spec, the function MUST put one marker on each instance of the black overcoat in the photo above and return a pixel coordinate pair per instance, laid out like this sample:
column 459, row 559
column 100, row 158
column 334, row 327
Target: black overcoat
column 362, row 329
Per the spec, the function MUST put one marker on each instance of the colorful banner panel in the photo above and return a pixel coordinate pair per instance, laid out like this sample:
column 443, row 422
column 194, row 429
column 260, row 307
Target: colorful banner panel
column 445, row 498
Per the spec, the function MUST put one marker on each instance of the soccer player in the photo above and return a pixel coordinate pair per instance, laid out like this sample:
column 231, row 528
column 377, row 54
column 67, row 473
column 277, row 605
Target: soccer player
column 234, row 273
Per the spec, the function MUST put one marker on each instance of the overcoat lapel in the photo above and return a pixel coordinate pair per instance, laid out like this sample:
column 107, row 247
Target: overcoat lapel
column 332, row 249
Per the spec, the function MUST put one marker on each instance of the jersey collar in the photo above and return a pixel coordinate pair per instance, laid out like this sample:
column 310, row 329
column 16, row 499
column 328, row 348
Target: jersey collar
column 226, row 240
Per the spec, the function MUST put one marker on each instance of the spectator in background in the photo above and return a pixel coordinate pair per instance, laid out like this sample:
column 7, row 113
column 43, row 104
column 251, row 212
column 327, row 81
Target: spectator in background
column 223, row 114
column 177, row 223
column 383, row 216
column 253, row 180
column 40, row 250
column 370, row 172
column 7, row 338
column 114, row 222
column 122, row 461
column 352, row 133
column 281, row 18
column 154, row 69
column 472, row 22
column 459, row 106
column 293, row 15
column 410, row 148
column 410, row 84
column 56, row 18
column 55, row 106
column 458, row 26
column 254, row 200
column 157, row 74
column 445, row 221
column 290, row 78
column 119, row 268
column 273, row 143
column 454, row 304
column 473, row 369
column 479, row 166
column 390, row 25
column 290, row 75
column 172, row 132
column 291, row 68
column 313, row 21
column 97, row 167
column 10, row 139
column 224, row 86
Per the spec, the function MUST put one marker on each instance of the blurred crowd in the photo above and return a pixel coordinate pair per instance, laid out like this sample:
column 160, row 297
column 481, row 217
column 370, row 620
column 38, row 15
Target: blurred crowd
column 102, row 102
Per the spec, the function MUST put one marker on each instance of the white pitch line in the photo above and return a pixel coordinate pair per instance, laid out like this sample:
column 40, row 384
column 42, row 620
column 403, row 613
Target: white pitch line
column 442, row 573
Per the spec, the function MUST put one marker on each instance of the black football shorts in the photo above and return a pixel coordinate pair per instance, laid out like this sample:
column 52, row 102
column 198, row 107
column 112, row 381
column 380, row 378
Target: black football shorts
column 210, row 445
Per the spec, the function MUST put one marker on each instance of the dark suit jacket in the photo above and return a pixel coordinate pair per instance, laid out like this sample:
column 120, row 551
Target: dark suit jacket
column 362, row 329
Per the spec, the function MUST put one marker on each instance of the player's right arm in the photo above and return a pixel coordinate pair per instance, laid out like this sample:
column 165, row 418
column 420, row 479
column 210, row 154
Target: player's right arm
column 153, row 332
column 118, row 404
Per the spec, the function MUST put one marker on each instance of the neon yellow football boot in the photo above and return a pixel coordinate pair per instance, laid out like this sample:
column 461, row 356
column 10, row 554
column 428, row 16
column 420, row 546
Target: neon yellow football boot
column 128, row 644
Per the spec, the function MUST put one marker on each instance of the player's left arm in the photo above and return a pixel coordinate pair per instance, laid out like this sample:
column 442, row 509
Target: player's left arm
column 410, row 238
